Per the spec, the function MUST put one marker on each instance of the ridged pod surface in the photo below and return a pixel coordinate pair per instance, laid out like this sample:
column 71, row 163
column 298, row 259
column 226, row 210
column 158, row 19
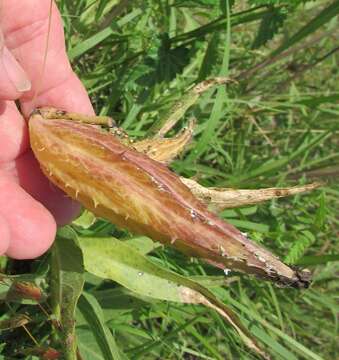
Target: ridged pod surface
column 137, row 193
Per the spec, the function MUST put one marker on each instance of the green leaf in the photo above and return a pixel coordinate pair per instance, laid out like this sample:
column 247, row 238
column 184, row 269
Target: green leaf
column 92, row 312
column 88, row 345
column 210, row 58
column 97, row 38
column 319, row 20
column 275, row 164
column 304, row 240
column 296, row 346
column 249, row 225
column 317, row 259
column 239, row 18
column 66, row 286
column 269, row 26
column 85, row 220
column 112, row 259
column 143, row 244
column 219, row 103
column 168, row 63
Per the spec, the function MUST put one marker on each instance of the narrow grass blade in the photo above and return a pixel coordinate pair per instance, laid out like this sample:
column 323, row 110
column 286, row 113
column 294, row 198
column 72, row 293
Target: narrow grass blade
column 317, row 259
column 220, row 99
column 242, row 17
column 88, row 346
column 294, row 345
column 92, row 312
column 319, row 20
column 275, row 164
column 97, row 38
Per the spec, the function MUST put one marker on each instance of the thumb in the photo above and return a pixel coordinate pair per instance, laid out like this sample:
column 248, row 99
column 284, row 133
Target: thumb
column 4, row 235
column 13, row 79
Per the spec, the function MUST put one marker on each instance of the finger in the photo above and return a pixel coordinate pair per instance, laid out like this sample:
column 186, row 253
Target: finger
column 25, row 28
column 13, row 79
column 14, row 142
column 32, row 228
column 4, row 235
column 26, row 37
column 70, row 95
column 13, row 132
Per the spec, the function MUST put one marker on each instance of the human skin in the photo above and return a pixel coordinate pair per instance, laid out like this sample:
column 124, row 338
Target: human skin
column 30, row 207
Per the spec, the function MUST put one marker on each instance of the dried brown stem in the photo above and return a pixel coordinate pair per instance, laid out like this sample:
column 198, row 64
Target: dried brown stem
column 219, row 199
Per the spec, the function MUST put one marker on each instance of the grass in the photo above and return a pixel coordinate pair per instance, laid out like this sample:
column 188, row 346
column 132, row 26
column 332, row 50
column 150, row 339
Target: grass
column 277, row 126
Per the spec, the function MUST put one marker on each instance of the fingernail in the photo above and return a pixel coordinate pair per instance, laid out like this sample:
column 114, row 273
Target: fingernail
column 15, row 72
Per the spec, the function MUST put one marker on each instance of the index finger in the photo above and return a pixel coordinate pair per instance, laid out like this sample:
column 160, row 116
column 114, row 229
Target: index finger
column 33, row 30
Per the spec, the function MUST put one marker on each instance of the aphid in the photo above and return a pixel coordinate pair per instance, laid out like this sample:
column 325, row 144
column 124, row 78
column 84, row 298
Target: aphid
column 117, row 182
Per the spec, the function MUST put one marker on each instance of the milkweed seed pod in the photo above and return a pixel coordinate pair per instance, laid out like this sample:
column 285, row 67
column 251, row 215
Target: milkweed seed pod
column 142, row 195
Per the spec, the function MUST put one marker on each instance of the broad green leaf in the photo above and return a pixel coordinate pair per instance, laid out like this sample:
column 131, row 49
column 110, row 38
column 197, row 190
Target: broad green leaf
column 143, row 244
column 168, row 63
column 119, row 299
column 269, row 26
column 85, row 220
column 110, row 258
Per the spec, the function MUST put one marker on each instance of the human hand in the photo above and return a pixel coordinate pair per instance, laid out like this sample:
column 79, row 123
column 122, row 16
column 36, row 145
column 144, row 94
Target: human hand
column 30, row 206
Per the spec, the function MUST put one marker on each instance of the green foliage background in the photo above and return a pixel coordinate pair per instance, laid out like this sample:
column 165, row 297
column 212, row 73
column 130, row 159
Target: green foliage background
column 277, row 126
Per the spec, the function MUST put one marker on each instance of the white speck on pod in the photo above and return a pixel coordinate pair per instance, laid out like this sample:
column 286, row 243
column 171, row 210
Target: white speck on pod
column 227, row 271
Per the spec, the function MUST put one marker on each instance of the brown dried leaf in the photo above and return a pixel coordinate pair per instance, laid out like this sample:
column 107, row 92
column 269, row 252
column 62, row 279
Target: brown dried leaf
column 51, row 354
column 191, row 296
column 24, row 290
column 166, row 149
column 207, row 84
column 15, row 321
column 223, row 198
column 171, row 117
